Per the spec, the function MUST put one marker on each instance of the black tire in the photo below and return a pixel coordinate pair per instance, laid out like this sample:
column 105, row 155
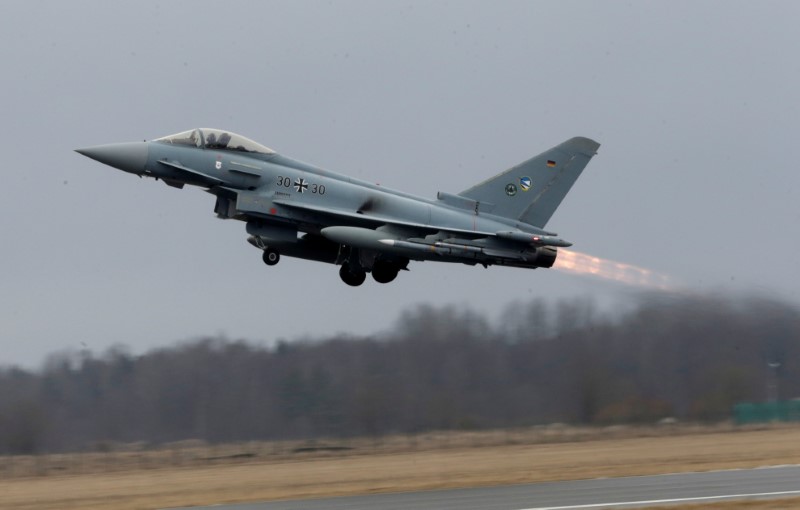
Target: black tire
column 271, row 257
column 353, row 279
column 383, row 272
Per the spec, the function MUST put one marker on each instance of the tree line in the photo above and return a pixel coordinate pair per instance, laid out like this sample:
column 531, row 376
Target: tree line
column 684, row 356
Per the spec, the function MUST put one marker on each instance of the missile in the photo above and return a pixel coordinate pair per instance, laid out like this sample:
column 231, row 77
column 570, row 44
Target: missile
column 462, row 251
column 376, row 240
column 394, row 243
column 534, row 239
column 355, row 236
column 437, row 248
column 459, row 247
column 367, row 238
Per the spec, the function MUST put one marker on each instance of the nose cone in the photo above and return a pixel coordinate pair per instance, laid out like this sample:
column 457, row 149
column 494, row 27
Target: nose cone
column 130, row 157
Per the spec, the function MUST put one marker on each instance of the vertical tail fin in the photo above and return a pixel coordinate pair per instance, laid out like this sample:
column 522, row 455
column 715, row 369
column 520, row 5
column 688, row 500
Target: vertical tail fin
column 532, row 191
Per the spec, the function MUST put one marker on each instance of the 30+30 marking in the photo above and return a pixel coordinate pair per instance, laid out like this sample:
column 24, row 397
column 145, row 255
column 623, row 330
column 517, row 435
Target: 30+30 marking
column 301, row 185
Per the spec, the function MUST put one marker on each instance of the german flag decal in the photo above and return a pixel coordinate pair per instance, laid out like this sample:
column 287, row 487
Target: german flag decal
column 551, row 163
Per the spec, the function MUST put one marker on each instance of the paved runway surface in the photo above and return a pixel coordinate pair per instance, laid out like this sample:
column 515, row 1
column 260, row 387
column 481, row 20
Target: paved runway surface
column 631, row 492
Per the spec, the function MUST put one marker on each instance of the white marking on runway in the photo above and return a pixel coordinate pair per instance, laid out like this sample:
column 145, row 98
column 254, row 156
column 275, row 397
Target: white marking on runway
column 666, row 501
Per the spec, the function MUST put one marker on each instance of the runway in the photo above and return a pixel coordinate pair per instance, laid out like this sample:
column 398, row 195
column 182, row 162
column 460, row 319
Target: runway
column 632, row 492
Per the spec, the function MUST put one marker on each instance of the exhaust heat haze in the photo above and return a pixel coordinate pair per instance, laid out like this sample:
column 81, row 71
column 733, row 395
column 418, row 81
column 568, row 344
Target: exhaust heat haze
column 580, row 263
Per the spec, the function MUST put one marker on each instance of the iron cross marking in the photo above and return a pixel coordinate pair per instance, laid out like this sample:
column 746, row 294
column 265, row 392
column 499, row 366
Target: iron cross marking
column 300, row 185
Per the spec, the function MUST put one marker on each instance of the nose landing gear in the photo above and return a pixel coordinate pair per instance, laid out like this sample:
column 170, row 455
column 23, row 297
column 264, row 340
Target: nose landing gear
column 271, row 257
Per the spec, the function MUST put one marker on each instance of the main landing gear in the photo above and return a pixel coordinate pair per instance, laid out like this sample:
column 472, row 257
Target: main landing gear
column 384, row 272
column 351, row 270
column 352, row 277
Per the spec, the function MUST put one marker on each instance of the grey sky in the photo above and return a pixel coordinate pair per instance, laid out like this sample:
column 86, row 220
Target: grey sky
column 695, row 104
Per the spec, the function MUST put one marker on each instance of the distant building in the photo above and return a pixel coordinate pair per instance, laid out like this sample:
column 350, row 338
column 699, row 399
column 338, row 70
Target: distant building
column 764, row 412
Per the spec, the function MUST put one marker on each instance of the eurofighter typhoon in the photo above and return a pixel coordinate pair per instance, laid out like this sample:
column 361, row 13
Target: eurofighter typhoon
column 298, row 210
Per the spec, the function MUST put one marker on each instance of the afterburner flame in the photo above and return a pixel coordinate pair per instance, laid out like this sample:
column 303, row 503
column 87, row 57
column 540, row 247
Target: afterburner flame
column 580, row 263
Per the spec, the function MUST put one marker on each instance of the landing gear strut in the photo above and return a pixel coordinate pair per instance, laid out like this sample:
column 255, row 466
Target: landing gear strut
column 352, row 277
column 271, row 257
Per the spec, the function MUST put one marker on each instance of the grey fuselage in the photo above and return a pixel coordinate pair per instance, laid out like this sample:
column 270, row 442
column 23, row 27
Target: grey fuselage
column 300, row 210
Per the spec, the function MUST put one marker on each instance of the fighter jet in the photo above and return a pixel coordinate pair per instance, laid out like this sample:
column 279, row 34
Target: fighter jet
column 298, row 210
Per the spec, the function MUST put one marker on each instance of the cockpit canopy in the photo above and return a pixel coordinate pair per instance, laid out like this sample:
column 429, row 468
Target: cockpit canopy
column 216, row 139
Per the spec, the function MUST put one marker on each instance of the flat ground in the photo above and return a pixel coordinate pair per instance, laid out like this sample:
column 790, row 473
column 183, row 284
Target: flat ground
column 247, row 473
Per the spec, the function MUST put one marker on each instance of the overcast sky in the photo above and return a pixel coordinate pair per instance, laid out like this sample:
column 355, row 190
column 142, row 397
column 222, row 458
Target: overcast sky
column 696, row 105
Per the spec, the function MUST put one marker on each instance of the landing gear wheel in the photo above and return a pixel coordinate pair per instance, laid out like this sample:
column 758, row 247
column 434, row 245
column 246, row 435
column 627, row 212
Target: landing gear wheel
column 383, row 272
column 271, row 257
column 353, row 279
